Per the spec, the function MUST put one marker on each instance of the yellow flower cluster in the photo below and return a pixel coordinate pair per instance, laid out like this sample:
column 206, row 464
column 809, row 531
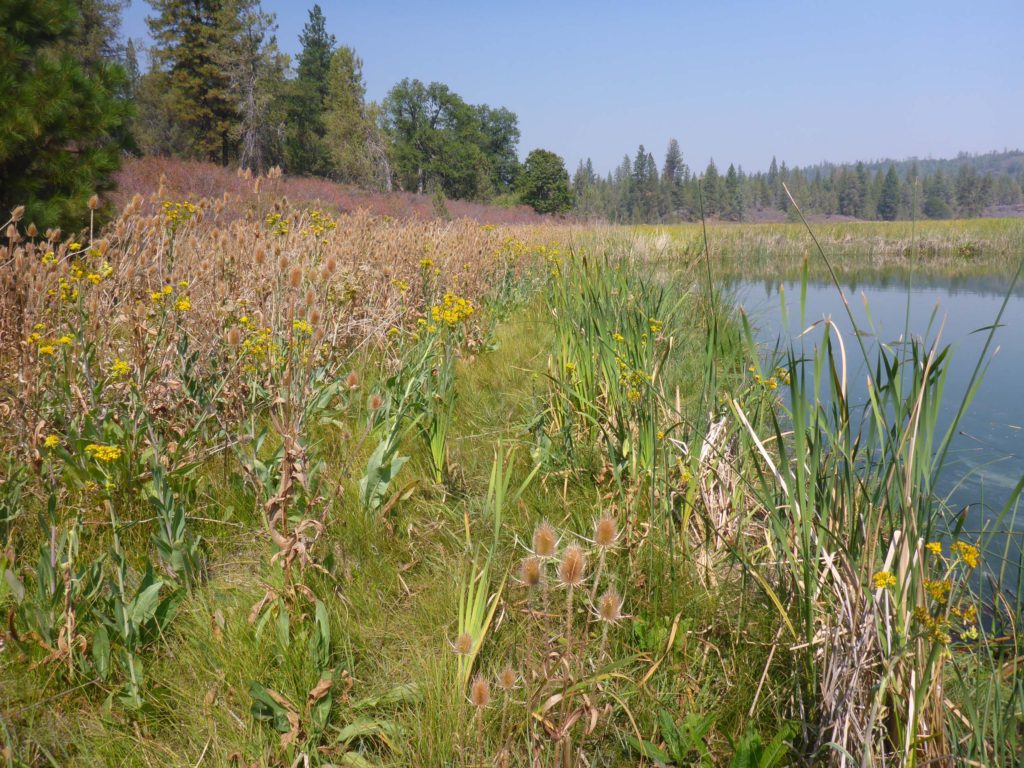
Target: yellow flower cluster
column 302, row 328
column 321, row 224
column 103, row 453
column 259, row 345
column 119, row 369
column 158, row 296
column 968, row 553
column 656, row 326
column 176, row 213
column 51, row 441
column 426, row 263
column 452, row 310
column 277, row 224
column 935, row 547
column 938, row 589
column 183, row 304
column 884, row 580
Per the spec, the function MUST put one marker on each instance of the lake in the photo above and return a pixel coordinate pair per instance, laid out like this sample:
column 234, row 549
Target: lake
column 986, row 459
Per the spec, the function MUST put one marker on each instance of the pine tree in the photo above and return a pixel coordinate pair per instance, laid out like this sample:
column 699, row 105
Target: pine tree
column 346, row 125
column 62, row 127
column 188, row 36
column 734, row 206
column 711, row 190
column 306, row 153
column 889, row 200
column 256, row 70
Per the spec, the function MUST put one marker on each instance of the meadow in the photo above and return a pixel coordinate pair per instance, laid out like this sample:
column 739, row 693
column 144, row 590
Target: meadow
column 283, row 486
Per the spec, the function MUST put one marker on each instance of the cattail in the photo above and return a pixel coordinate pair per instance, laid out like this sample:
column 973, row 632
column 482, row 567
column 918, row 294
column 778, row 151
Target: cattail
column 17, row 213
column 295, row 277
column 531, row 571
column 234, row 337
column 572, row 566
column 376, row 401
column 545, row 540
column 352, row 380
column 94, row 202
column 463, row 644
column 480, row 692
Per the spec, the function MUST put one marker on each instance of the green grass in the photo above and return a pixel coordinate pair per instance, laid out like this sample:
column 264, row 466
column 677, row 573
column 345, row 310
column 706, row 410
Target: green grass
column 728, row 524
column 956, row 248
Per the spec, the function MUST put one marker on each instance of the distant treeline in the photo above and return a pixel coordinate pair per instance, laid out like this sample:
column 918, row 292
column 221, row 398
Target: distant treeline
column 218, row 88
column 637, row 192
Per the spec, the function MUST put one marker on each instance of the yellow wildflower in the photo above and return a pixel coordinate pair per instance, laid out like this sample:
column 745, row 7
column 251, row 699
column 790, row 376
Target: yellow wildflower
column 103, row 453
column 935, row 547
column 46, row 349
column 65, row 340
column 967, row 552
column 74, row 246
column 884, row 580
column 119, row 368
column 184, row 304
column 426, row 263
column 51, row 441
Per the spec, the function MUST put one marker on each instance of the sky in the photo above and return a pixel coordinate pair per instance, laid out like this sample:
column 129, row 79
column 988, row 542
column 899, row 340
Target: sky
column 736, row 81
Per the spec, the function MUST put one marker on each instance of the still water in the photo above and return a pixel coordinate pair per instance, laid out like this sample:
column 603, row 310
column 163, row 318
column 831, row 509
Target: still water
column 986, row 457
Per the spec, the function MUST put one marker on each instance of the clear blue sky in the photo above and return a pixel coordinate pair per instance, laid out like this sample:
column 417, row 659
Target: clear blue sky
column 737, row 81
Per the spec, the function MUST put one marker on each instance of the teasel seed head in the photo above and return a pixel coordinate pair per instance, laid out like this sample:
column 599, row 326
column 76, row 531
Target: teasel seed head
column 573, row 566
column 331, row 265
column 463, row 644
column 606, row 533
column 310, row 296
column 376, row 401
column 32, row 231
column 531, row 571
column 507, row 678
column 282, row 262
column 260, row 256
column 234, row 337
column 545, row 540
column 314, row 316
column 480, row 692
column 295, row 277
column 94, row 202
column 609, row 606
column 17, row 213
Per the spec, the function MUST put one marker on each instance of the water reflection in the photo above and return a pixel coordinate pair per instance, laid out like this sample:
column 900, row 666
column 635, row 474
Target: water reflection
column 985, row 460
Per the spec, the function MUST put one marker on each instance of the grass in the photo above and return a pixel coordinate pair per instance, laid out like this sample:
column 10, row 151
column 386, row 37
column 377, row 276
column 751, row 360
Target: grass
column 327, row 467
column 959, row 248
